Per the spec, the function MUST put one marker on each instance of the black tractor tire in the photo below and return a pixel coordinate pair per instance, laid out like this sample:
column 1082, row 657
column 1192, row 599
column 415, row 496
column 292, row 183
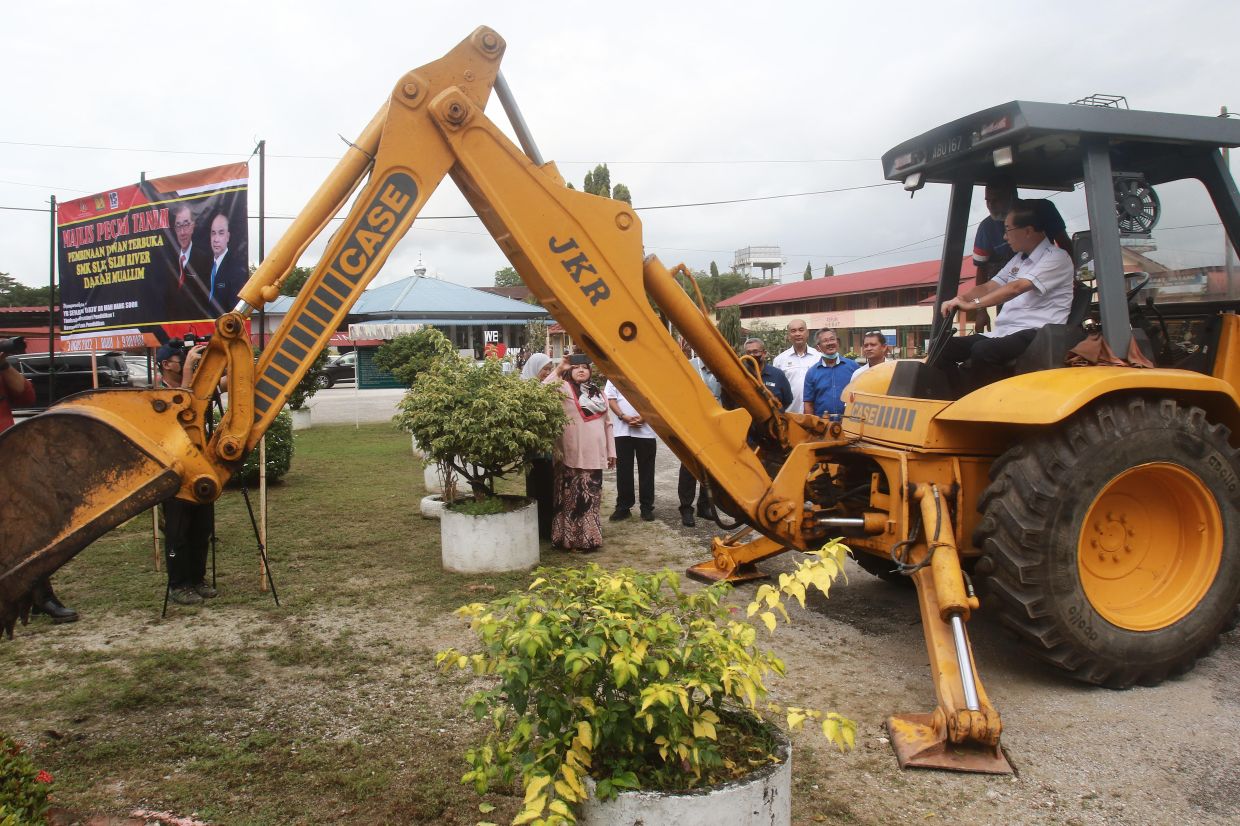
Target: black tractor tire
column 323, row 381
column 882, row 567
column 1133, row 503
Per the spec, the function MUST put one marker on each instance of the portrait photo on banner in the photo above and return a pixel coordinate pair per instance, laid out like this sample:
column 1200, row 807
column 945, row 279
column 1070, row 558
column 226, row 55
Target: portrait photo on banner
column 163, row 251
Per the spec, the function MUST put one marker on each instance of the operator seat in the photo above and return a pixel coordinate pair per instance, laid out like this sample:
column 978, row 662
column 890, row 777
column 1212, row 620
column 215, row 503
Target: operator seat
column 1052, row 343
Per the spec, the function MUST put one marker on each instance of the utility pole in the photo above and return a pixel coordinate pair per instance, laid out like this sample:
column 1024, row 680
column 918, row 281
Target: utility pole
column 1228, row 253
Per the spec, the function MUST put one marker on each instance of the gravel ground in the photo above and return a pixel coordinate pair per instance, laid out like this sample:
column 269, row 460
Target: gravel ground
column 1083, row 755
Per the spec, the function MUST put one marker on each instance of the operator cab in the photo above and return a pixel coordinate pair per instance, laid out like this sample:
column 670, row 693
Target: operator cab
column 1118, row 156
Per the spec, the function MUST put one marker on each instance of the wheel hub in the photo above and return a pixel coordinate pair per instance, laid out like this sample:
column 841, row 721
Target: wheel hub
column 1116, row 539
column 1150, row 545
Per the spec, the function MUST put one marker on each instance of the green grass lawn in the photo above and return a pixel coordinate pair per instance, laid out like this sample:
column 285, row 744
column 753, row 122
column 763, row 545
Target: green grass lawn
column 326, row 708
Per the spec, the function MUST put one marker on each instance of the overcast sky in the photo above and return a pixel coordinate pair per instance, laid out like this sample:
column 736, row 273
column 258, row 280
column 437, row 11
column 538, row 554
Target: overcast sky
column 685, row 101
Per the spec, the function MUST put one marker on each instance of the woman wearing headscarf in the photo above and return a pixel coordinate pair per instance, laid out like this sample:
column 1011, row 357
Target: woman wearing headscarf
column 585, row 448
column 540, row 478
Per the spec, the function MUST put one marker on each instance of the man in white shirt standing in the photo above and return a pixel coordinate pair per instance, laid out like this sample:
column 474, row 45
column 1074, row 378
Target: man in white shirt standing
column 1035, row 289
column 634, row 440
column 796, row 361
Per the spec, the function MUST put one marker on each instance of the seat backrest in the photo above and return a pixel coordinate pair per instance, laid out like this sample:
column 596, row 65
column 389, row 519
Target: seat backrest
column 1082, row 297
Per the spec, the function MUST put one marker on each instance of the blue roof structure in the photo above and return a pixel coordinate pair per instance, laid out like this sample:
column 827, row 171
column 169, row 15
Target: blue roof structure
column 431, row 300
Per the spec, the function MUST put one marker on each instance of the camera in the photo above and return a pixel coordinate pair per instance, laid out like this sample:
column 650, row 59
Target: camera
column 578, row 358
column 14, row 346
column 191, row 340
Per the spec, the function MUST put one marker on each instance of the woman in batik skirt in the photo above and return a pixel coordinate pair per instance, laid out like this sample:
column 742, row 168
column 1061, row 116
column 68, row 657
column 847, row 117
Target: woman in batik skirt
column 586, row 447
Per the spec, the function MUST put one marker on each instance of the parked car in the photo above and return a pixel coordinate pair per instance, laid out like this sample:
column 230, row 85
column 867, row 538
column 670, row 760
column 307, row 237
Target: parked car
column 73, row 373
column 340, row 368
column 139, row 376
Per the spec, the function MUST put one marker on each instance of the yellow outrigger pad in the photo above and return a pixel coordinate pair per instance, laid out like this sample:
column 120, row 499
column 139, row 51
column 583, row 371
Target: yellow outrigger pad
column 66, row 478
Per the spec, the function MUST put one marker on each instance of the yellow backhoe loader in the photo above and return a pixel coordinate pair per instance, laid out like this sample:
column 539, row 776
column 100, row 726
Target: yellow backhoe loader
column 1100, row 505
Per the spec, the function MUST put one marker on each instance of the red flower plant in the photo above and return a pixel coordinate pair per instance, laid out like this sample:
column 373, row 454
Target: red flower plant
column 43, row 777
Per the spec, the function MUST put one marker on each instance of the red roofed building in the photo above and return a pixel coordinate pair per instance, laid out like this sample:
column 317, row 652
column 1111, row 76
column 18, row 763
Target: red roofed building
column 895, row 299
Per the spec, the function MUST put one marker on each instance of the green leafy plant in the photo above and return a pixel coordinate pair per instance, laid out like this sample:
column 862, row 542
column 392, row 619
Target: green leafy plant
column 280, row 448
column 308, row 386
column 25, row 791
column 625, row 677
column 407, row 356
column 481, row 421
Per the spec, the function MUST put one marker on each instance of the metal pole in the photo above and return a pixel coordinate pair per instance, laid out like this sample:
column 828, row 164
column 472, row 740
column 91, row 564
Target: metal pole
column 264, row 575
column 1228, row 253
column 51, row 313
column 518, row 122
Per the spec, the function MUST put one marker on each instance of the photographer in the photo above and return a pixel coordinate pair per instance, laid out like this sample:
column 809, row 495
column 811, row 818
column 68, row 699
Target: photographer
column 16, row 390
column 187, row 525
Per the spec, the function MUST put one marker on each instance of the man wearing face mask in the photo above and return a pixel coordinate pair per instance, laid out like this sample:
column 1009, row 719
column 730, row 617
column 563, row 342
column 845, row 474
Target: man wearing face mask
column 827, row 379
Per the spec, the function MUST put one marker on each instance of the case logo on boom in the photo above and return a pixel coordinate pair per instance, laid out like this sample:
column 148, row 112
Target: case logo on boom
column 597, row 290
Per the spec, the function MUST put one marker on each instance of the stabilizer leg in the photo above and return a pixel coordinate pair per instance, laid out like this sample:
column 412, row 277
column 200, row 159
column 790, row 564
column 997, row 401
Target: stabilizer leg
column 962, row 733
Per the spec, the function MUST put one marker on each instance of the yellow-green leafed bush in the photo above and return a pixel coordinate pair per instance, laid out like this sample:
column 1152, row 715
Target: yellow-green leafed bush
column 625, row 677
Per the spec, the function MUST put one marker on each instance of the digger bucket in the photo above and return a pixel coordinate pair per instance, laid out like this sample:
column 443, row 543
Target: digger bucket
column 67, row 477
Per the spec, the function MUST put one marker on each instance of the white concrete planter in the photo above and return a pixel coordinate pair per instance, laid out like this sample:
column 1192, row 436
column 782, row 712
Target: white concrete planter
column 433, row 482
column 488, row 544
column 301, row 418
column 763, row 798
column 432, row 506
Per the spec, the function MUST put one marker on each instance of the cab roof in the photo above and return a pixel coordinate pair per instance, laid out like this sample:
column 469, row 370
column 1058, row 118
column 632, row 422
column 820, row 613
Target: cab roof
column 1047, row 141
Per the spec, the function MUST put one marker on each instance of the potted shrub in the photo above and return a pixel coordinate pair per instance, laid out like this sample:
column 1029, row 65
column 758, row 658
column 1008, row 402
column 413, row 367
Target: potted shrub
column 619, row 691
column 483, row 423
column 303, row 390
column 405, row 357
column 280, row 449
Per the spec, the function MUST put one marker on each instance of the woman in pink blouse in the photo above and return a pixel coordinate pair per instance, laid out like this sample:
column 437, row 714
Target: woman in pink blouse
column 585, row 448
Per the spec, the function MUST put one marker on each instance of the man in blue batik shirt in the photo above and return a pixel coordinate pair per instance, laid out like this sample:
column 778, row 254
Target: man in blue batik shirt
column 827, row 379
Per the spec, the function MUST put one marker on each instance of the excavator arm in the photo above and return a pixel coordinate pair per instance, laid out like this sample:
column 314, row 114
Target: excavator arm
column 90, row 463
column 108, row 455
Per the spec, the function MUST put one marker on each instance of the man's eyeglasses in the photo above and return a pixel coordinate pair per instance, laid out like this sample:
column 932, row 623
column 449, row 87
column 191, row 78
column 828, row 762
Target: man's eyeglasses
column 183, row 224
column 1007, row 230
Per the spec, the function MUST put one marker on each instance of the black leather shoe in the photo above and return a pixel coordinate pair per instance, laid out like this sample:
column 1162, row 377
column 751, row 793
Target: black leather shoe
column 708, row 513
column 619, row 516
column 686, row 517
column 60, row 614
column 647, row 516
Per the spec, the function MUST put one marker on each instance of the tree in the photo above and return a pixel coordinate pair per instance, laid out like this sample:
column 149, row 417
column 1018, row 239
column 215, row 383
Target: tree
column 730, row 327
column 508, row 277
column 296, row 280
column 809, row 271
column 412, row 353
column 830, row 270
column 15, row 294
column 598, row 182
column 775, row 339
column 714, row 270
column 535, row 336
column 715, row 288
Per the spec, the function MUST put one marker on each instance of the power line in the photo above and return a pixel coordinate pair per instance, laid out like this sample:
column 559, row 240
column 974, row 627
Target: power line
column 720, row 161
column 765, row 197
